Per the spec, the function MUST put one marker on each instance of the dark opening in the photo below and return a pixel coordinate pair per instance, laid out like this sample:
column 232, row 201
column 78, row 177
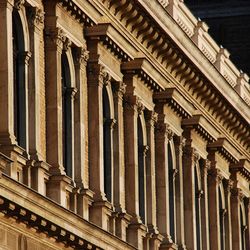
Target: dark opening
column 141, row 169
column 222, row 229
column 19, row 80
column 242, row 226
column 171, row 193
column 66, row 115
column 197, row 212
column 107, row 145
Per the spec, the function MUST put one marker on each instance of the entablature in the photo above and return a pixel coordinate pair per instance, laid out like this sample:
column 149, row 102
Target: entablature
column 202, row 127
column 223, row 147
column 152, row 78
column 173, row 98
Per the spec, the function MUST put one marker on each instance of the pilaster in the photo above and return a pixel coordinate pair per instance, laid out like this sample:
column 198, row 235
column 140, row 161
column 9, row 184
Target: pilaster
column 236, row 198
column 36, row 26
column 214, row 180
column 162, row 133
column 7, row 136
column 190, row 158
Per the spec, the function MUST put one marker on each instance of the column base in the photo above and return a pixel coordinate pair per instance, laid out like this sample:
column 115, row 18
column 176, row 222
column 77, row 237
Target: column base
column 155, row 241
column 168, row 246
column 16, row 169
column 121, row 223
column 100, row 214
column 4, row 163
column 84, row 201
column 136, row 233
column 40, row 176
column 58, row 187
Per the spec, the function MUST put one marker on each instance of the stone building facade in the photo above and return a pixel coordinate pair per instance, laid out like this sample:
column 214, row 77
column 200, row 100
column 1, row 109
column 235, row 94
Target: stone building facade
column 123, row 125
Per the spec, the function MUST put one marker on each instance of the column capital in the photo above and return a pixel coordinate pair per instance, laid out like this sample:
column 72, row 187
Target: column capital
column 66, row 44
column 216, row 174
column 199, row 194
column 229, row 185
column 151, row 117
column 237, row 192
column 223, row 212
column 191, row 153
column 82, row 55
column 180, row 142
column 56, row 36
column 36, row 17
column 134, row 102
column 119, row 88
column 18, row 4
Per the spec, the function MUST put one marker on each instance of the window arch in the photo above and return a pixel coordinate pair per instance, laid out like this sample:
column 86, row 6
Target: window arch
column 19, row 88
column 108, row 123
column 107, row 153
column 243, row 226
column 66, row 115
column 141, row 143
column 171, row 173
column 198, row 193
column 222, row 211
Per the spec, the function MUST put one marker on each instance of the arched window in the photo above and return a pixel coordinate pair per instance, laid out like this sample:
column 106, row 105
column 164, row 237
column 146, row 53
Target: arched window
column 141, row 169
column 66, row 115
column 221, row 214
column 107, row 151
column 171, row 193
column 197, row 206
column 242, row 227
column 19, row 80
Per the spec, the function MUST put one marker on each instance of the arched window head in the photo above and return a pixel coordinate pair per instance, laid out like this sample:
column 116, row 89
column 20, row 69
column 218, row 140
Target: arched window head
column 171, row 192
column 198, row 193
column 19, row 80
column 222, row 212
column 107, row 150
column 141, row 169
column 66, row 115
column 243, row 226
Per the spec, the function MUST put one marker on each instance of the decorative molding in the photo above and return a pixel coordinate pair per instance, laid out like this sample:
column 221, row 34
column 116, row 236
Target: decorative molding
column 35, row 16
column 151, row 117
column 67, row 44
column 42, row 224
column 82, row 55
column 18, row 4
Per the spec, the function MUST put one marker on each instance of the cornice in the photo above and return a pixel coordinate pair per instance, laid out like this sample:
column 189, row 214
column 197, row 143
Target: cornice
column 189, row 69
column 223, row 147
column 175, row 101
column 20, row 213
column 202, row 127
column 242, row 167
column 112, row 39
column 77, row 12
column 151, row 77
column 24, row 204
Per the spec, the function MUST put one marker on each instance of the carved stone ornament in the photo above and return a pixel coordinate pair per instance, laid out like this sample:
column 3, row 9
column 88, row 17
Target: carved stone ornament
column 139, row 105
column 18, row 4
column 35, row 16
column 151, row 117
column 58, row 37
column 24, row 57
column 120, row 88
column 82, row 55
column 110, row 122
column 67, row 44
column 216, row 174
column 170, row 134
column 104, row 76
